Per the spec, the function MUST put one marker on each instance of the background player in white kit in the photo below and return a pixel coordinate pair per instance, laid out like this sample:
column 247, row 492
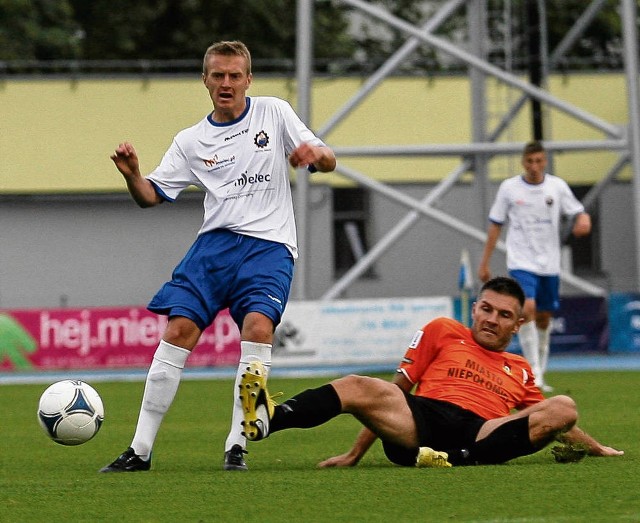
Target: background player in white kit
column 534, row 203
column 243, row 255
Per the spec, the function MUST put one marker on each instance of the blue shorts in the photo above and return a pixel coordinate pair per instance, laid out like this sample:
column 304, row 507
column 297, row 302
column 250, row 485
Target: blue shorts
column 225, row 269
column 545, row 290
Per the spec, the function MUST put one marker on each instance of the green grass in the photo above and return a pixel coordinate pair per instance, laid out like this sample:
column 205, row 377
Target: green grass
column 43, row 481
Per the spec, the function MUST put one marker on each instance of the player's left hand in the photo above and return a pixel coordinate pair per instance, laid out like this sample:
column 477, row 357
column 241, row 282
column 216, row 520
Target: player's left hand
column 603, row 450
column 304, row 155
column 582, row 225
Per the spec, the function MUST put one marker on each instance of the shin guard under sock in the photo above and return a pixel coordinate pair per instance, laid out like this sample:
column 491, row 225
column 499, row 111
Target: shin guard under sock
column 160, row 389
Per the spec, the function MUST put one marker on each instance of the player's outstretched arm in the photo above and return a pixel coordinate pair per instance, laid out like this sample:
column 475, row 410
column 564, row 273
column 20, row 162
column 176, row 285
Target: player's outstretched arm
column 321, row 157
column 363, row 443
column 366, row 437
column 582, row 225
column 493, row 233
column 594, row 448
column 141, row 189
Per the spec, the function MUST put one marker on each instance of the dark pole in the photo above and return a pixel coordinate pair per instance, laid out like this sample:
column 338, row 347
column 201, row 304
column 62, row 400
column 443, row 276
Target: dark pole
column 534, row 47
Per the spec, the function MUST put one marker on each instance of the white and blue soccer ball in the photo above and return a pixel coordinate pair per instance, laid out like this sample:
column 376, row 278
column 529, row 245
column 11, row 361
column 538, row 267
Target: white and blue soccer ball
column 70, row 412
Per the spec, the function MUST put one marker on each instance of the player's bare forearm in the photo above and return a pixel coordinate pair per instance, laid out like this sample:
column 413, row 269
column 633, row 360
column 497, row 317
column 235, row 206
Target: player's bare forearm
column 493, row 233
column 321, row 157
column 142, row 192
column 366, row 437
column 327, row 161
column 582, row 225
column 578, row 436
column 126, row 161
column 363, row 443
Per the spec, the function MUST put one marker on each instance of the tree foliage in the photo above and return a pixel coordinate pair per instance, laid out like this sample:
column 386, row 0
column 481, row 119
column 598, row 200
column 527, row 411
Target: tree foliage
column 161, row 29
column 39, row 29
column 601, row 43
column 344, row 40
column 508, row 28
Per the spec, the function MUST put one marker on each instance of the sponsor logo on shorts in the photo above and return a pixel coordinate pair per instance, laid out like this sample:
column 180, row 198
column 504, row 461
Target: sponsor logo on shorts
column 277, row 300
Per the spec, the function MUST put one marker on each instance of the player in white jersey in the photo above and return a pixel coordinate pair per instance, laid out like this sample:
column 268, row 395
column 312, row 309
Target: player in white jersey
column 243, row 256
column 533, row 203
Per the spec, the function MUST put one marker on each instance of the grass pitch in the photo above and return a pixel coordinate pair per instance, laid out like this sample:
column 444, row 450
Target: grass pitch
column 43, row 481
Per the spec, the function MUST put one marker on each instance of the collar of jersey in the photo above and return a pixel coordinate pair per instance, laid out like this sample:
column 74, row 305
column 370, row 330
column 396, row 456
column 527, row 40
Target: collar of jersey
column 522, row 176
column 226, row 124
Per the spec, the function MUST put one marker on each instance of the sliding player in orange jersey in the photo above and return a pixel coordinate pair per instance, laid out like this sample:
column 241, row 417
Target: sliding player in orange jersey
column 466, row 387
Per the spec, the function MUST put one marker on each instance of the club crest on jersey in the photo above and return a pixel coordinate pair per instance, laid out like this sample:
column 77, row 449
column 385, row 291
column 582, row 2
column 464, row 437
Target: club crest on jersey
column 261, row 140
column 549, row 201
column 507, row 368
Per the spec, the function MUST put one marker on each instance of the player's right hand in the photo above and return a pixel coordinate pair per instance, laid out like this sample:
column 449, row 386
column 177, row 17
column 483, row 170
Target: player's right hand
column 344, row 460
column 126, row 159
column 484, row 274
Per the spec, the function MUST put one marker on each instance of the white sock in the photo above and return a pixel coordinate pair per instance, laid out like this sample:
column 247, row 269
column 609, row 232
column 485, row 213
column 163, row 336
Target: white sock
column 162, row 383
column 544, row 337
column 528, row 336
column 249, row 351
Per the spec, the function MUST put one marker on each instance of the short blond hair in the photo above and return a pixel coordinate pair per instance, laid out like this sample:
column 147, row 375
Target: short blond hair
column 228, row 48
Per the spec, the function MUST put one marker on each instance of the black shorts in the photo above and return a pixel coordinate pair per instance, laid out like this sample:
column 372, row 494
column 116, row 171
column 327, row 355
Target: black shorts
column 441, row 425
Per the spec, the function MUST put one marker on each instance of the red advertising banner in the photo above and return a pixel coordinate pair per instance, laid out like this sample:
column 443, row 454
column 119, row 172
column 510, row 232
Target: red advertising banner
column 94, row 338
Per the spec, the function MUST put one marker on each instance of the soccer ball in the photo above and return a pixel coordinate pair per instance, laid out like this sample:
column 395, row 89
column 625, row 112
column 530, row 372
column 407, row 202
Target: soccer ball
column 70, row 412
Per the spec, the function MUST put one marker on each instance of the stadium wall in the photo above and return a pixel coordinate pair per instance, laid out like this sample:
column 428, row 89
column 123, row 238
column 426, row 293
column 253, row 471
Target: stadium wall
column 56, row 134
column 104, row 250
column 70, row 236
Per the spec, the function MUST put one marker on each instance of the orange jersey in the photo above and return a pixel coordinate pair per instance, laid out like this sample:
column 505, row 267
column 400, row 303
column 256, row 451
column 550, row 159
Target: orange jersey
column 447, row 364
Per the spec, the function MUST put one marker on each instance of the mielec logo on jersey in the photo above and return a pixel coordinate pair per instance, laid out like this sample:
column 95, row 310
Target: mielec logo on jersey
column 245, row 179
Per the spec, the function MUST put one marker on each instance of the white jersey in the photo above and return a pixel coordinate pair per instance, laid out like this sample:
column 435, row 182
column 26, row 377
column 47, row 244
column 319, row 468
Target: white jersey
column 534, row 212
column 242, row 167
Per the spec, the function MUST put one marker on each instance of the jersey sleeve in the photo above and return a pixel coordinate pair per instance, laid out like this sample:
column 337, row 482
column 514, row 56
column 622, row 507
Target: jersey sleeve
column 295, row 131
column 569, row 204
column 421, row 352
column 173, row 174
column 532, row 394
column 500, row 207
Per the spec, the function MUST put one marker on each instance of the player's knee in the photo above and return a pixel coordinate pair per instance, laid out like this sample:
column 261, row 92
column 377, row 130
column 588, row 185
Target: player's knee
column 354, row 391
column 352, row 382
column 562, row 412
column 181, row 332
column 258, row 328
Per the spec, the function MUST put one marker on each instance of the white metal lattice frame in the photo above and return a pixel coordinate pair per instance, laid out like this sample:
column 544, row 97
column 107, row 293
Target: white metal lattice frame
column 625, row 139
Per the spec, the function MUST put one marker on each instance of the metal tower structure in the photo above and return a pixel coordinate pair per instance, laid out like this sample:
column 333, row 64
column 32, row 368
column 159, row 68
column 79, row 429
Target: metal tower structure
column 623, row 139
